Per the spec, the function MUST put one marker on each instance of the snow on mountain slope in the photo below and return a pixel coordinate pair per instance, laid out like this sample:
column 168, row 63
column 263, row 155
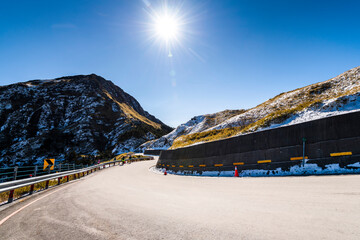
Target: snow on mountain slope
column 342, row 85
column 196, row 124
column 327, row 108
column 82, row 114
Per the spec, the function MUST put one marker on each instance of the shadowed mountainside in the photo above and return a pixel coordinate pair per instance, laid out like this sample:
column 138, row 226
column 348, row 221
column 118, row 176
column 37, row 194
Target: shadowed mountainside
column 85, row 114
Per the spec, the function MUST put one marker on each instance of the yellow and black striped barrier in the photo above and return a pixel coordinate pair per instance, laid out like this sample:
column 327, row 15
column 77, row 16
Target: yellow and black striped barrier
column 264, row 161
column 336, row 154
column 238, row 163
column 340, row 154
column 298, row 158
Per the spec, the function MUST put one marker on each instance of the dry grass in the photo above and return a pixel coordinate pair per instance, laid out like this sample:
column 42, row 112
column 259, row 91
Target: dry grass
column 131, row 113
column 207, row 136
column 123, row 155
column 37, row 187
column 278, row 116
column 216, row 118
column 275, row 117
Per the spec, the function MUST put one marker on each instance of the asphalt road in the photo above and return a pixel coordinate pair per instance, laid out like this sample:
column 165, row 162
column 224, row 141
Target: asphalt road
column 131, row 202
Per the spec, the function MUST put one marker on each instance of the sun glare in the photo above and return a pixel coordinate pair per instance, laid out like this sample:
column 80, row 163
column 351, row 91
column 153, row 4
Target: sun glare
column 167, row 27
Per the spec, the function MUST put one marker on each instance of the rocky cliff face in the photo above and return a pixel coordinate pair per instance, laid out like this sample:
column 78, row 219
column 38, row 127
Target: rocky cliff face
column 85, row 114
column 338, row 95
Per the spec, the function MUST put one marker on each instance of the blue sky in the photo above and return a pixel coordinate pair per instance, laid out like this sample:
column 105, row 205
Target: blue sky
column 232, row 54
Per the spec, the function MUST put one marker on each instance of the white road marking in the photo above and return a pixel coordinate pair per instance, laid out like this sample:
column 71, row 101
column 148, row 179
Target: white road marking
column 20, row 209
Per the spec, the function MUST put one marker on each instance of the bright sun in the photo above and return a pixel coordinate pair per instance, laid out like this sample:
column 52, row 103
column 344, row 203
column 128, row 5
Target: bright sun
column 167, row 27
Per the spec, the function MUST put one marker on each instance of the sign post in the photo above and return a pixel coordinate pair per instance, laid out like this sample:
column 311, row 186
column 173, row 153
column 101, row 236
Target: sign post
column 303, row 162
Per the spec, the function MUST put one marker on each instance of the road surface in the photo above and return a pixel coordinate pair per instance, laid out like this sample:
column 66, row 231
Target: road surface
column 131, row 202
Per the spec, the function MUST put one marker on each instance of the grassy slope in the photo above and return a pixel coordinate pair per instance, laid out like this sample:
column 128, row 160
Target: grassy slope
column 131, row 113
column 281, row 107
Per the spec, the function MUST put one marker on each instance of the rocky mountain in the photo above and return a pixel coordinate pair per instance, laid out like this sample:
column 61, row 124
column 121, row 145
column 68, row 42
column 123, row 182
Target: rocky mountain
column 85, row 114
column 338, row 95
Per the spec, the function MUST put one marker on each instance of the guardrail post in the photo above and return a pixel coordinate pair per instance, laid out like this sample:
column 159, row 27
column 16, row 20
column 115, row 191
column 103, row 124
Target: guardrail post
column 47, row 184
column 11, row 196
column 67, row 178
column 15, row 172
column 31, row 189
column 35, row 170
column 59, row 180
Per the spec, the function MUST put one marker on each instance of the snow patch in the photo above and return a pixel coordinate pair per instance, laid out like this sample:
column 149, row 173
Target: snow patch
column 308, row 169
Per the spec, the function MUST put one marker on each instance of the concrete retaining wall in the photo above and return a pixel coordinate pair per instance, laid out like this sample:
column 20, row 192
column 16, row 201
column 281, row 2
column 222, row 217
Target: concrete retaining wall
column 273, row 148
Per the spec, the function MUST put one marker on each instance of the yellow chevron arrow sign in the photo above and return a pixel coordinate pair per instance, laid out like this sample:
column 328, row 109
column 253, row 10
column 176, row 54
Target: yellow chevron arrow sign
column 49, row 162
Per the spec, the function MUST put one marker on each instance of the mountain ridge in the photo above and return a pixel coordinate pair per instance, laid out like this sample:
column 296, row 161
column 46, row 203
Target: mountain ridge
column 84, row 113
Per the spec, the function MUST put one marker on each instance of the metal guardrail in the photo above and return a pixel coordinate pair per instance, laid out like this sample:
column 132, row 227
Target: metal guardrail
column 21, row 172
column 31, row 181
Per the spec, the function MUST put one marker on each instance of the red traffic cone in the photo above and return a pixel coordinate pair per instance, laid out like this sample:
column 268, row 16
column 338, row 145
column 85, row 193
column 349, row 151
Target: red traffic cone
column 165, row 173
column 236, row 172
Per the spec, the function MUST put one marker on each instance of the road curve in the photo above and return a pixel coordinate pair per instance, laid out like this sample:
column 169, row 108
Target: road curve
column 131, row 202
